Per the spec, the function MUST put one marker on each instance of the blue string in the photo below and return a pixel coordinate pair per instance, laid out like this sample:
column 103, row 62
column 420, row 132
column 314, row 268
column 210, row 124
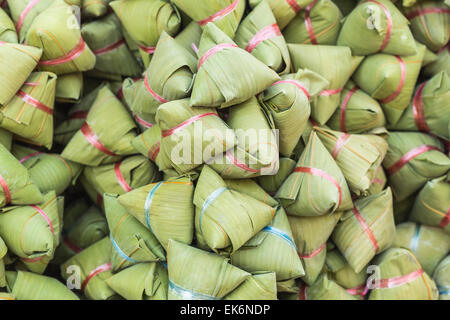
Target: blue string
column 148, row 204
column 213, row 196
column 189, row 294
column 120, row 252
column 281, row 234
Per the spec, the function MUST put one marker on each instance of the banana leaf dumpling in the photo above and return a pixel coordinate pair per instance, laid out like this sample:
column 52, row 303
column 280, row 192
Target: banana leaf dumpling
column 416, row 158
column 32, row 232
column 64, row 50
column 315, row 170
column 50, row 172
column 69, row 88
column 215, row 86
column 311, row 235
column 145, row 20
column 16, row 62
column 256, row 151
column 321, row 59
column 429, row 110
column 391, row 80
column 430, row 23
column 16, row 187
column 122, row 177
column 431, row 206
column 169, row 77
column 195, row 274
column 31, row 286
column 441, row 63
column 132, row 242
column 260, row 35
column 377, row 26
column 94, row 269
column 326, row 289
column 319, row 23
column 143, row 281
column 366, row 230
column 288, row 101
column 105, row 137
column 272, row 249
column 105, row 38
column 357, row 155
column 401, row 277
column 165, row 208
column 259, row 286
column 357, row 112
column 429, row 244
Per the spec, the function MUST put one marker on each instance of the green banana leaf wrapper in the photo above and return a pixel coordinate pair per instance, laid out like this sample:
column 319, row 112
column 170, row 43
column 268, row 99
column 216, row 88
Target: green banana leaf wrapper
column 30, row 286
column 260, row 35
column 32, row 232
column 315, row 170
column 16, row 62
column 401, row 277
column 149, row 144
column 215, row 86
column 52, row 31
column 366, row 230
column 195, row 274
column 17, row 7
column 272, row 249
column 442, row 278
column 108, row 131
column 8, row 31
column 441, row 64
column 165, row 208
column 288, row 103
column 6, row 138
column 391, row 80
column 310, row 236
column 432, row 203
column 259, row 286
column 326, row 289
column 94, row 268
column 342, row 273
column 357, row 155
column 226, row 218
column 88, row 228
column 49, row 172
column 94, row 9
column 228, row 12
column 428, row 162
column 377, row 27
column 183, row 127
column 169, row 77
column 105, row 38
column 428, row 58
column 256, row 152
column 433, row 28
column 76, row 116
column 96, row 198
column 429, row 244
column 29, row 114
column 358, row 112
column 429, row 110
column 272, row 183
column 17, row 186
column 69, row 88
column 132, row 242
column 122, row 177
column 145, row 20
column 320, row 23
column 284, row 11
column 189, row 37
column 321, row 59
column 143, row 281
